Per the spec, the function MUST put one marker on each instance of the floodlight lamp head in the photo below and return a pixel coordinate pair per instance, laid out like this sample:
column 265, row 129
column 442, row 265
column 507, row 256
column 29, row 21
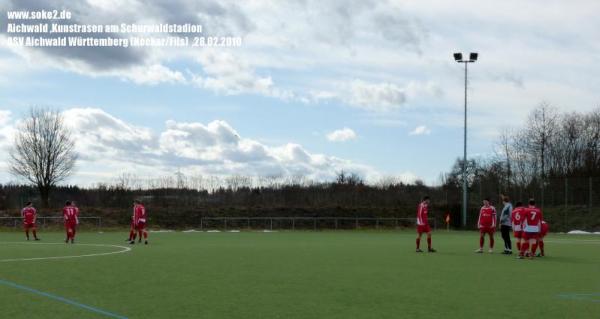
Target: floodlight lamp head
column 473, row 56
column 458, row 57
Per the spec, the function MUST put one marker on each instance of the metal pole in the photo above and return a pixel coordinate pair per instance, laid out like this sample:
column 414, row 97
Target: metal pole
column 591, row 199
column 566, row 192
column 464, row 166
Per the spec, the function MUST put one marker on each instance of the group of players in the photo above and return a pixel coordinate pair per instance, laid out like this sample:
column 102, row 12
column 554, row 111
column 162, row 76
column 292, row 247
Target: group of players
column 527, row 223
column 71, row 221
column 70, row 218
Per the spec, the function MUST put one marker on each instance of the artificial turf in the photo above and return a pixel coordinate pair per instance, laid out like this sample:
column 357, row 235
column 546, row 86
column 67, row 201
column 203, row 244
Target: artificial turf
column 345, row 274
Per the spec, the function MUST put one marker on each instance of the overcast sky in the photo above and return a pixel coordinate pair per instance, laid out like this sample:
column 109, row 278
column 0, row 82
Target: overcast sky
column 317, row 86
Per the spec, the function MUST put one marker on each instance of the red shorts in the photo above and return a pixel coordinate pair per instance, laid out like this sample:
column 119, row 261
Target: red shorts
column 140, row 226
column 423, row 229
column 487, row 230
column 70, row 224
column 528, row 235
column 518, row 234
column 544, row 231
column 28, row 225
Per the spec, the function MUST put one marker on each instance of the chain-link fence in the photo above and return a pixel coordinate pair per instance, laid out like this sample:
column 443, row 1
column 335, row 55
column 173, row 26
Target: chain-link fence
column 51, row 222
column 307, row 223
column 568, row 203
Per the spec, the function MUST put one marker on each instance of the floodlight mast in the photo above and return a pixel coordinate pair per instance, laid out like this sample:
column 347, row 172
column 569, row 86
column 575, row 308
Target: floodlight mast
column 458, row 57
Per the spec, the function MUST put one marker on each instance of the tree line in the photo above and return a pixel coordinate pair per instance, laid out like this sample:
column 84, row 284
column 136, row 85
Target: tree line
column 549, row 153
column 535, row 159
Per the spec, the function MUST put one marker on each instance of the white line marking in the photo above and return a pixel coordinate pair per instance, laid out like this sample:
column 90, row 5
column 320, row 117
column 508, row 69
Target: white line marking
column 123, row 249
column 573, row 241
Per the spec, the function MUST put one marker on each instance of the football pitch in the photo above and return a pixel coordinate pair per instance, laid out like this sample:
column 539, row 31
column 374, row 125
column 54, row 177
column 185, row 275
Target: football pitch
column 345, row 274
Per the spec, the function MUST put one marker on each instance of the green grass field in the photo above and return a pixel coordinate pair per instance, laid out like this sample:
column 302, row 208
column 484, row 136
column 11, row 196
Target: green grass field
column 346, row 274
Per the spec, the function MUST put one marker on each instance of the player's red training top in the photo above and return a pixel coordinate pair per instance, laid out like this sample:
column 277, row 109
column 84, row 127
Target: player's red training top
column 70, row 214
column 422, row 214
column 28, row 214
column 517, row 218
column 139, row 214
column 487, row 217
column 532, row 219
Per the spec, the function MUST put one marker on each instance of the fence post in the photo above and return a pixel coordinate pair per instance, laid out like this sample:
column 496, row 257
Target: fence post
column 293, row 223
column 225, row 221
column 566, row 192
column 201, row 224
column 376, row 223
column 591, row 192
column 248, row 223
column 356, row 223
column 271, row 223
column 315, row 223
column 336, row 223
column 543, row 192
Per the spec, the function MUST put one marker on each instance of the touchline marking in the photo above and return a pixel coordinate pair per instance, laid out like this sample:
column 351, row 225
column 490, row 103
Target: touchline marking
column 573, row 241
column 123, row 249
column 61, row 299
column 593, row 297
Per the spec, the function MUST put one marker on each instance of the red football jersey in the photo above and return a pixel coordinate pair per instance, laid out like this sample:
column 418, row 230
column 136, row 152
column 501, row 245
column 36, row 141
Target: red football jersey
column 422, row 211
column 487, row 217
column 28, row 214
column 532, row 219
column 70, row 213
column 139, row 214
column 517, row 218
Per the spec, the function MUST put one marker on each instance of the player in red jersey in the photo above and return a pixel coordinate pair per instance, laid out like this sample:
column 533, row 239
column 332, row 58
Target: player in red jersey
column 29, row 215
column 74, row 205
column 139, row 221
column 423, row 225
column 486, row 224
column 532, row 225
column 71, row 221
column 543, row 233
column 517, row 220
column 132, row 233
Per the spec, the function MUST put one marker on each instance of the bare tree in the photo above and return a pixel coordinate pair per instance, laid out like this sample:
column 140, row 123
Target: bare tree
column 592, row 141
column 505, row 153
column 43, row 151
column 541, row 127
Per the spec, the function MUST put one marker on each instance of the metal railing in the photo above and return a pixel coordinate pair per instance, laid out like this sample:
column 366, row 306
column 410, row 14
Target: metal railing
column 314, row 223
column 49, row 221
